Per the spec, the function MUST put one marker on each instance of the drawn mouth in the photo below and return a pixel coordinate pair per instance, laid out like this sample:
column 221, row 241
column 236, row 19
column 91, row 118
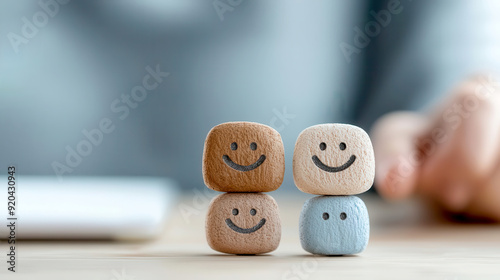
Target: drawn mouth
column 243, row 168
column 327, row 168
column 236, row 228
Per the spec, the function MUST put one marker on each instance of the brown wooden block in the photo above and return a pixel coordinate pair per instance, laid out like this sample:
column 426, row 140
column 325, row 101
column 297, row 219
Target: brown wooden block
column 243, row 223
column 333, row 159
column 243, row 157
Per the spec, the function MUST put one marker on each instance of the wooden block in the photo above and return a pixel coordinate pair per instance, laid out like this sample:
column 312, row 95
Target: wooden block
column 243, row 223
column 243, row 157
column 333, row 159
column 334, row 225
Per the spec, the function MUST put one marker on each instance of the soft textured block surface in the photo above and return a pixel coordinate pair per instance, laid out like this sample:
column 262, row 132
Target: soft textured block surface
column 333, row 159
column 334, row 225
column 243, row 157
column 243, row 223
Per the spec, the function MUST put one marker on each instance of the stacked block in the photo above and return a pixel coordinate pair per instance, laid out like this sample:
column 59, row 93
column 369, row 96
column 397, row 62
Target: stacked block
column 335, row 161
column 243, row 159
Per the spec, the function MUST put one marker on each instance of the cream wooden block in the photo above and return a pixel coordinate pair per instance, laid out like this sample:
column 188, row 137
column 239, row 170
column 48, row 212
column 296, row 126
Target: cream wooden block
column 243, row 223
column 333, row 159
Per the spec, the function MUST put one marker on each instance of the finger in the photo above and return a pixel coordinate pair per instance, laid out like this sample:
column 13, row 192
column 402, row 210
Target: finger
column 393, row 138
column 465, row 154
column 485, row 203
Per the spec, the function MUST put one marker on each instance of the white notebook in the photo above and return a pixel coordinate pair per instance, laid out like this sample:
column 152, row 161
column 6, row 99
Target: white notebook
column 88, row 207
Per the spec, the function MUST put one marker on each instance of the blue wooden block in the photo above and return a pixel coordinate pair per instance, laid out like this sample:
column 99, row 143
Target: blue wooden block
column 334, row 225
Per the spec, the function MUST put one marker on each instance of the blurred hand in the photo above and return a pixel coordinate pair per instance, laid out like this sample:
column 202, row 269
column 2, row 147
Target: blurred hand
column 450, row 157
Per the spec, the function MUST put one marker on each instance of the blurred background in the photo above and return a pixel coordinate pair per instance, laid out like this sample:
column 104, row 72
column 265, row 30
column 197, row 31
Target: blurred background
column 68, row 68
column 105, row 106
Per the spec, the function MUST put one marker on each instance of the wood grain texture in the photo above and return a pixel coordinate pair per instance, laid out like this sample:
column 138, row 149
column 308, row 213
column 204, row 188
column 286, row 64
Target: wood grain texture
column 340, row 143
column 256, row 211
column 219, row 176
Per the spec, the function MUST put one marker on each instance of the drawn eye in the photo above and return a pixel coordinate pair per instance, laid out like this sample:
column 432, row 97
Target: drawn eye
column 253, row 212
column 322, row 146
column 342, row 146
column 343, row 216
column 235, row 211
column 234, row 146
column 253, row 146
column 326, row 216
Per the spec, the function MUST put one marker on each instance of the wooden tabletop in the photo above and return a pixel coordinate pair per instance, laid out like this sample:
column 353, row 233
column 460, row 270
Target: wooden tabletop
column 402, row 245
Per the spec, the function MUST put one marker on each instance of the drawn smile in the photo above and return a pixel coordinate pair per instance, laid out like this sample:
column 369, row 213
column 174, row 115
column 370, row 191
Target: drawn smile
column 236, row 228
column 243, row 168
column 327, row 168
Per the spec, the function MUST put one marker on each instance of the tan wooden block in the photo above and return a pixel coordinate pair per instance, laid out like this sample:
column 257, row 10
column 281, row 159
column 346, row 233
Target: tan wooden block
column 243, row 157
column 243, row 223
column 333, row 159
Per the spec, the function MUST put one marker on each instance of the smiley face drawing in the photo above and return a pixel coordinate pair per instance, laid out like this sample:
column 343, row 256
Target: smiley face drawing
column 243, row 223
column 236, row 228
column 243, row 157
column 333, row 159
column 327, row 168
column 243, row 168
